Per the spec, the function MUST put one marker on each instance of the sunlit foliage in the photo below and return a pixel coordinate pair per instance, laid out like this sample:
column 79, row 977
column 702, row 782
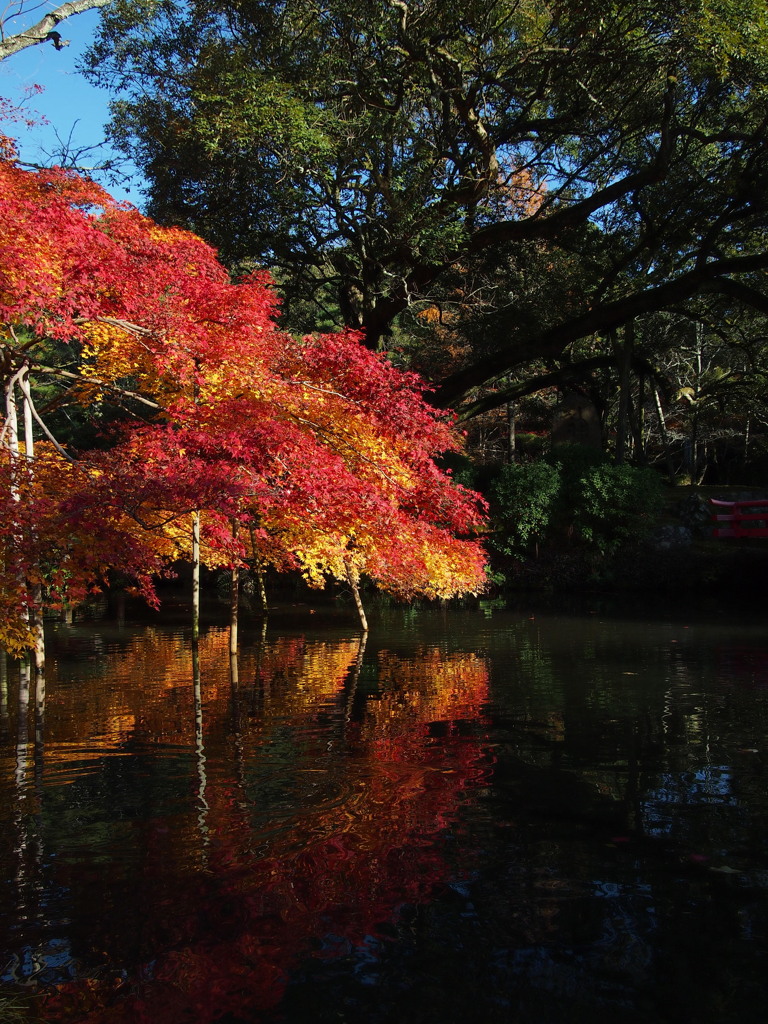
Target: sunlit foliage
column 309, row 453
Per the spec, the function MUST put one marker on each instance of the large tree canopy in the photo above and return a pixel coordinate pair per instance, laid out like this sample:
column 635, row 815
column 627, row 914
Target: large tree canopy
column 371, row 151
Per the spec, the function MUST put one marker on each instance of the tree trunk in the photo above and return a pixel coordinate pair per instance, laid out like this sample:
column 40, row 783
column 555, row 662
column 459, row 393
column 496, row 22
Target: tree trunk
column 353, row 578
column 262, row 591
column 234, row 603
column 258, row 573
column 34, row 590
column 747, row 428
column 693, row 469
column 12, row 424
column 664, row 435
column 195, row 575
column 637, row 420
column 234, row 610
column 511, row 432
column 702, row 465
column 22, row 738
column 4, row 712
column 623, row 353
column 234, row 615
column 36, row 622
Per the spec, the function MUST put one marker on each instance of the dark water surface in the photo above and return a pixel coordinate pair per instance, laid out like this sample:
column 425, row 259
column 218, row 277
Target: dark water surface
column 479, row 816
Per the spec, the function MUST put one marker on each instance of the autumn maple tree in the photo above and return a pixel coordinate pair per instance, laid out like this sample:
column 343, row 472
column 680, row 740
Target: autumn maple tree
column 312, row 454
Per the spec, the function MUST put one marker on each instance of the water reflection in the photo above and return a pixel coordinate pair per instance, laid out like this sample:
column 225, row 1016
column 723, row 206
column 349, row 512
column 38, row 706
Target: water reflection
column 470, row 819
column 206, row 832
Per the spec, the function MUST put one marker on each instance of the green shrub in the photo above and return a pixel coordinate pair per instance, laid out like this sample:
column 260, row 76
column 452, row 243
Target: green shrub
column 576, row 492
column 613, row 504
column 523, row 501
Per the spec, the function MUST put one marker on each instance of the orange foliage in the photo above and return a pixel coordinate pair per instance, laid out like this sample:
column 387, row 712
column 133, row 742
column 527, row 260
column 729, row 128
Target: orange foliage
column 521, row 194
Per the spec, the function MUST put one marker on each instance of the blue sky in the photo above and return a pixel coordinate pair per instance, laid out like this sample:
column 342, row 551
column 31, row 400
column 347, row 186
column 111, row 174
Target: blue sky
column 68, row 102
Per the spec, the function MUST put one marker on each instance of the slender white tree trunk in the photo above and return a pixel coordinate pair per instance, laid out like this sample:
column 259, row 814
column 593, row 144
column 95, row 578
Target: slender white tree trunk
column 4, row 712
column 234, row 613
column 664, row 434
column 234, row 602
column 33, row 611
column 12, row 429
column 353, row 580
column 195, row 575
column 36, row 622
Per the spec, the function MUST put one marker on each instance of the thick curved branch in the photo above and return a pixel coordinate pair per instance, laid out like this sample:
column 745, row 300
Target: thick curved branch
column 45, row 30
column 743, row 293
column 712, row 276
column 570, row 374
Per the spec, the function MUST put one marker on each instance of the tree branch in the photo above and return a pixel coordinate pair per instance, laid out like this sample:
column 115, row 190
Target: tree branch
column 45, row 30
column 570, row 374
column 712, row 276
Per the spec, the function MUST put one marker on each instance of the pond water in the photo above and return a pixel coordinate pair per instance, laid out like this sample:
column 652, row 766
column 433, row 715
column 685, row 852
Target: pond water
column 481, row 815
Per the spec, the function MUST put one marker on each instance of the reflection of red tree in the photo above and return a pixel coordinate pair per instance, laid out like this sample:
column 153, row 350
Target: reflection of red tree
column 334, row 874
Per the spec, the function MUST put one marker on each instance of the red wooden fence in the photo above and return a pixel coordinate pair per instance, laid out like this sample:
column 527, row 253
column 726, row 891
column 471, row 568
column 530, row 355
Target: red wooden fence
column 740, row 518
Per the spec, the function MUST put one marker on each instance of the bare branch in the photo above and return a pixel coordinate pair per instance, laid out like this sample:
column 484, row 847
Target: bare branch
column 45, row 30
column 25, row 390
column 79, row 378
